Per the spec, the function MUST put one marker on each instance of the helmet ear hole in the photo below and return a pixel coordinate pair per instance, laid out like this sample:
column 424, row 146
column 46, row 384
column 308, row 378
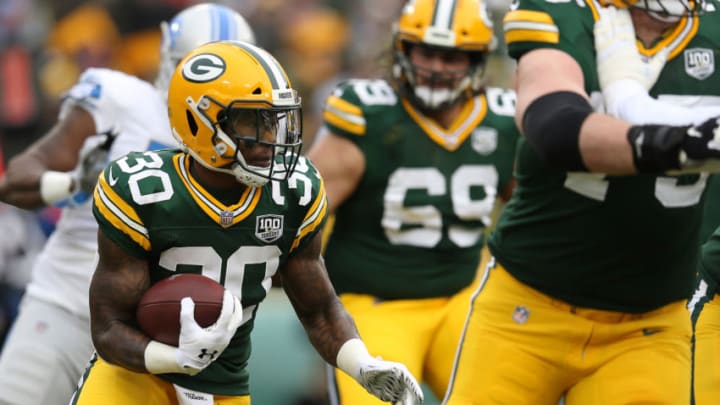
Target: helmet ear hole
column 257, row 91
column 192, row 124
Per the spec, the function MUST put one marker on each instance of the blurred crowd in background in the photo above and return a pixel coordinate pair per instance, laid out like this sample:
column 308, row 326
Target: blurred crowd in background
column 46, row 44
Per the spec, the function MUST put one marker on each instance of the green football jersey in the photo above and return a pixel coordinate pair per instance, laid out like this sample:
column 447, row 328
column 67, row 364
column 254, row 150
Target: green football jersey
column 711, row 217
column 709, row 269
column 151, row 205
column 414, row 225
column 615, row 243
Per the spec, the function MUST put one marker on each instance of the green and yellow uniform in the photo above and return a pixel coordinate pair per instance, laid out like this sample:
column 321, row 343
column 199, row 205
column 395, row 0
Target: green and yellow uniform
column 409, row 238
column 705, row 304
column 605, row 262
column 152, row 206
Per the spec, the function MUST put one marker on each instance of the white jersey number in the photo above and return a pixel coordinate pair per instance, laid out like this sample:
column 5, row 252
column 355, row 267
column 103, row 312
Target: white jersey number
column 152, row 162
column 667, row 190
column 423, row 225
column 212, row 266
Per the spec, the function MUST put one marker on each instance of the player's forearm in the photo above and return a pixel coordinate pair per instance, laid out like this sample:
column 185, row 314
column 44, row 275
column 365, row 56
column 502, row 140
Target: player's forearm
column 120, row 344
column 116, row 287
column 604, row 145
column 23, row 184
column 21, row 198
column 329, row 330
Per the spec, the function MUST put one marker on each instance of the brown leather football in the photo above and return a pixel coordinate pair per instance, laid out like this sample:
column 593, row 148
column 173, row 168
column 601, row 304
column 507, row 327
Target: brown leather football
column 158, row 312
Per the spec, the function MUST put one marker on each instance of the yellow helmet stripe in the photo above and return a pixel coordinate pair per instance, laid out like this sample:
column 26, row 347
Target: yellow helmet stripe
column 275, row 72
column 444, row 14
column 530, row 26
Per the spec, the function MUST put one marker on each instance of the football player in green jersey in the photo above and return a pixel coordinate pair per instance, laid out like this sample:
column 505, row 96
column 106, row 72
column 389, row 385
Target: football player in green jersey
column 594, row 254
column 705, row 308
column 236, row 204
column 413, row 167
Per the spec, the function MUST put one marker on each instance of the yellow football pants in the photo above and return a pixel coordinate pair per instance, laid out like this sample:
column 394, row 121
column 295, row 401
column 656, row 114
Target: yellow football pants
column 522, row 347
column 707, row 354
column 420, row 333
column 106, row 384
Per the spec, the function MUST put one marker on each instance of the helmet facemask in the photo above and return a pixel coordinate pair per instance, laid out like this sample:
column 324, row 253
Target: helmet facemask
column 463, row 27
column 432, row 90
column 260, row 143
column 668, row 10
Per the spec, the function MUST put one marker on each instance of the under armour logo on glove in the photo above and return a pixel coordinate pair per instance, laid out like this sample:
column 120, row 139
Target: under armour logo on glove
column 204, row 352
column 198, row 346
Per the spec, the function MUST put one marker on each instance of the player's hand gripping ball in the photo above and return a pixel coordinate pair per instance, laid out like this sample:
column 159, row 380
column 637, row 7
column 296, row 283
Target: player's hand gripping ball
column 158, row 312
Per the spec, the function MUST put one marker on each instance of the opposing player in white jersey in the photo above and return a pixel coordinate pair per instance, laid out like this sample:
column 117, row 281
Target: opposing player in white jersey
column 50, row 344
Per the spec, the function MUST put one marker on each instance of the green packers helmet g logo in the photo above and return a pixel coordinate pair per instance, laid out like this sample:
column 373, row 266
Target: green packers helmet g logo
column 203, row 68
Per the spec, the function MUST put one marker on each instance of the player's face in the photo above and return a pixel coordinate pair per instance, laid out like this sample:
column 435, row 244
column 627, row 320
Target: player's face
column 255, row 131
column 438, row 68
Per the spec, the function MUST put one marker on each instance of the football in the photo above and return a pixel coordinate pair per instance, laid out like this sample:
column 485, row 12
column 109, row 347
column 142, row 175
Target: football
column 158, row 312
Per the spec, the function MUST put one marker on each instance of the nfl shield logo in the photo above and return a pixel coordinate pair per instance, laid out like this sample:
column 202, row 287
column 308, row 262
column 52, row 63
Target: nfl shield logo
column 226, row 218
column 699, row 62
column 521, row 314
column 269, row 228
column 484, row 140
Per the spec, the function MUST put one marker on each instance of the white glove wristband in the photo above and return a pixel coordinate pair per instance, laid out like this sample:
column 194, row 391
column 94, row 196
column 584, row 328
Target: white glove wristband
column 161, row 358
column 54, row 186
column 351, row 354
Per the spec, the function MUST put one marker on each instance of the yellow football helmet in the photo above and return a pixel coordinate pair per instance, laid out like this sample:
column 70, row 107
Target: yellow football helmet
column 229, row 96
column 456, row 25
column 663, row 10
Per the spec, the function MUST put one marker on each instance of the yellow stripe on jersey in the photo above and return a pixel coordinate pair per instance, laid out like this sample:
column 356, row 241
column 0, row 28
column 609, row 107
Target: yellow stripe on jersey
column 212, row 207
column 594, row 8
column 120, row 214
column 473, row 112
column 344, row 115
column 530, row 26
column 314, row 217
column 676, row 40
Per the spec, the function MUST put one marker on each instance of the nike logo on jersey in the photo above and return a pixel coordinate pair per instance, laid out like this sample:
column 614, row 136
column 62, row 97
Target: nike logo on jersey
column 651, row 331
column 112, row 179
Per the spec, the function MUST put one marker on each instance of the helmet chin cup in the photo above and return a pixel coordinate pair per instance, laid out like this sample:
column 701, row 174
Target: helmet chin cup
column 252, row 176
column 433, row 99
column 249, row 178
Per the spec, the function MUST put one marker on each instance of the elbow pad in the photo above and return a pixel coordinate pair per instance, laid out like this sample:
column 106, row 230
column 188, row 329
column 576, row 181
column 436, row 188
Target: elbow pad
column 552, row 127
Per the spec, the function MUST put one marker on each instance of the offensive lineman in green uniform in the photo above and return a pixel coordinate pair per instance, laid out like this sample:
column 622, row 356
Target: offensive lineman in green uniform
column 237, row 205
column 413, row 169
column 595, row 252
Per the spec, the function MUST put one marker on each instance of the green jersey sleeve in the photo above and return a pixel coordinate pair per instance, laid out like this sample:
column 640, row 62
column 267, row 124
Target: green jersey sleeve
column 559, row 24
column 115, row 205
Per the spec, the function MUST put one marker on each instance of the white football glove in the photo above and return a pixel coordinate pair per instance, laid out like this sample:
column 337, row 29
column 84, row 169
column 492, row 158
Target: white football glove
column 387, row 380
column 390, row 381
column 198, row 347
column 617, row 55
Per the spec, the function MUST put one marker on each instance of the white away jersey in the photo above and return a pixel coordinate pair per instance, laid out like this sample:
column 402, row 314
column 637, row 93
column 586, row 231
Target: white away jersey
column 136, row 112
